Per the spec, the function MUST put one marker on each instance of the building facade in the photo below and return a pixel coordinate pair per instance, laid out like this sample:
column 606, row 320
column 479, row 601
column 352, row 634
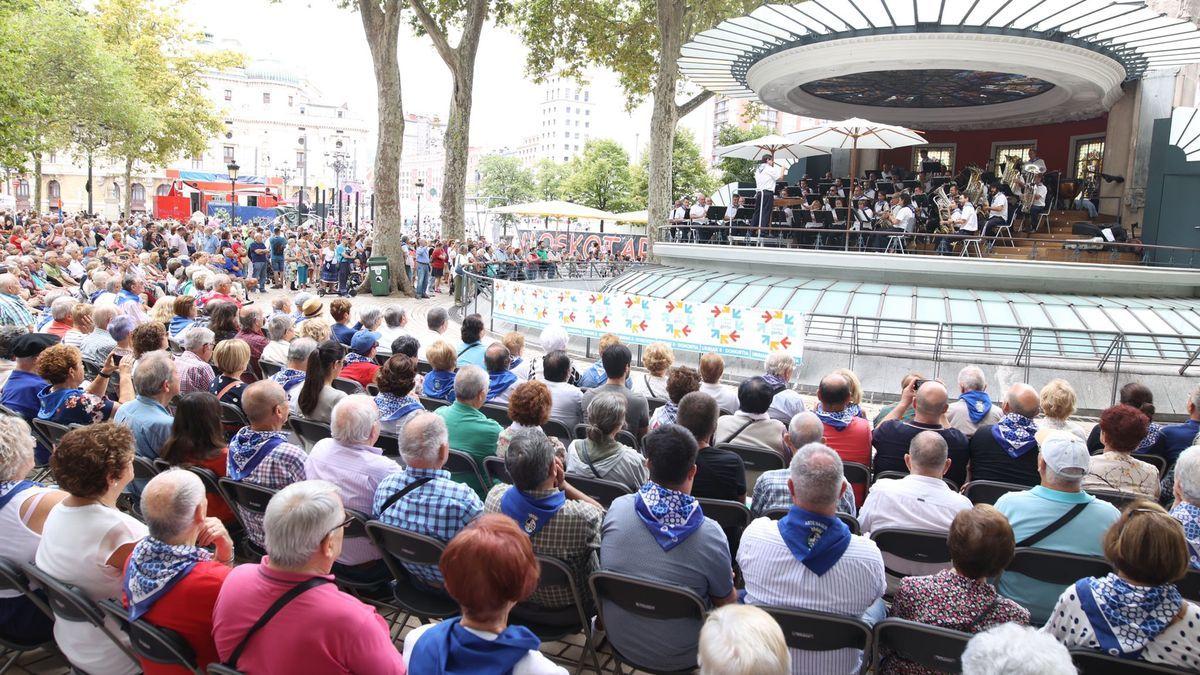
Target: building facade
column 276, row 124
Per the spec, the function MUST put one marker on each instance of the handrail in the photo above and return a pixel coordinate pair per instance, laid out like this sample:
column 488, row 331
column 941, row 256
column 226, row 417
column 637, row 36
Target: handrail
column 940, row 341
column 788, row 233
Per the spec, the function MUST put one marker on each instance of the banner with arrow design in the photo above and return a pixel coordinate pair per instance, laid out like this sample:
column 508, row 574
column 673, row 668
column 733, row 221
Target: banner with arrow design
column 746, row 332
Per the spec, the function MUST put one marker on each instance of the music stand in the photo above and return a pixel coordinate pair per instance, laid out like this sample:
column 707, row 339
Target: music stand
column 912, row 184
column 885, row 187
column 932, row 166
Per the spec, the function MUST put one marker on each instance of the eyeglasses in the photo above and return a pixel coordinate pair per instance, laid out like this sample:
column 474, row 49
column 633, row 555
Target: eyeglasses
column 341, row 526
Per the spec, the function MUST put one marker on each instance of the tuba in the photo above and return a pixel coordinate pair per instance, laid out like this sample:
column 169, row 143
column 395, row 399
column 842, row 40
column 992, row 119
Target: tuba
column 975, row 191
column 1012, row 174
column 945, row 207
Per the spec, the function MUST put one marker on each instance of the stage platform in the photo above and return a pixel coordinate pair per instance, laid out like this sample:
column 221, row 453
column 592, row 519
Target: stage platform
column 1032, row 276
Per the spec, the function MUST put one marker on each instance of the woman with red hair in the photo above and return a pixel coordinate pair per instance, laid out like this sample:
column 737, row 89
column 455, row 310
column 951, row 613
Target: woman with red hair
column 1122, row 428
column 488, row 567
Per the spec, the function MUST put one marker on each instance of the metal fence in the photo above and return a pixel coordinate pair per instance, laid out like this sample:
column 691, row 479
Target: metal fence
column 943, row 342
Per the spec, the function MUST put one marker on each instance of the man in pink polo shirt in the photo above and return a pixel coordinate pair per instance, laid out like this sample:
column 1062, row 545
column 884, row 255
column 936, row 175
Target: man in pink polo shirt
column 321, row 630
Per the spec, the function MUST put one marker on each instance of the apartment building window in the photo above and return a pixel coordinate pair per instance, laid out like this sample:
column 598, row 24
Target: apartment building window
column 266, row 98
column 291, row 100
column 228, row 94
column 198, row 162
column 228, row 154
column 300, row 160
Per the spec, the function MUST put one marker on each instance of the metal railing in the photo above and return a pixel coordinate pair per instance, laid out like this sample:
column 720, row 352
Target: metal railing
column 941, row 342
column 844, row 239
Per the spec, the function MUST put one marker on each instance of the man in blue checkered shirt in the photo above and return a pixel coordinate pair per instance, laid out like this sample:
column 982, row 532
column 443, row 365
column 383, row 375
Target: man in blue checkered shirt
column 771, row 488
column 437, row 507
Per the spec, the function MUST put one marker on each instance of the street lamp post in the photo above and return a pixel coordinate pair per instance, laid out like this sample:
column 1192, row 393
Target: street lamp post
column 303, row 175
column 233, row 174
column 339, row 162
column 420, row 185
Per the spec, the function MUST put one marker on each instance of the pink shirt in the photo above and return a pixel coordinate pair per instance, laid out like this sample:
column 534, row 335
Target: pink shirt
column 321, row 631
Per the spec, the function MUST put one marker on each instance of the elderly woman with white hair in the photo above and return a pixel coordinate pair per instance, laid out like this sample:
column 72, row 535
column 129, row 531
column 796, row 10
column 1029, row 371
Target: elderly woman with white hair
column 785, row 402
column 351, row 461
column 395, row 318
column 740, row 639
column 24, row 506
column 1011, row 649
column 321, row 630
column 552, row 339
column 1187, row 500
column 280, row 330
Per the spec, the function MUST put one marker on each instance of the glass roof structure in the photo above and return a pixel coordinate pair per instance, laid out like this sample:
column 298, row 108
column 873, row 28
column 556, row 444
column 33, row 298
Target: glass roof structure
column 906, row 316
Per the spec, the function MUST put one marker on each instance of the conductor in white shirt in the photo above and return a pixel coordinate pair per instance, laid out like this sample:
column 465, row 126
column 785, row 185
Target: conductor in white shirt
column 765, row 176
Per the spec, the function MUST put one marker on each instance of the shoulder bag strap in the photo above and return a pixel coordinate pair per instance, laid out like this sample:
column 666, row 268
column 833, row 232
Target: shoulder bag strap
column 739, row 431
column 226, row 388
column 283, row 600
column 1053, row 527
column 400, row 495
column 587, row 457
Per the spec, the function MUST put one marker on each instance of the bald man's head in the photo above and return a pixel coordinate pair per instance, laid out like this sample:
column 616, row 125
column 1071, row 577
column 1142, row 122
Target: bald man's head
column 1023, row 400
column 260, row 400
column 170, row 502
column 833, row 392
column 930, row 399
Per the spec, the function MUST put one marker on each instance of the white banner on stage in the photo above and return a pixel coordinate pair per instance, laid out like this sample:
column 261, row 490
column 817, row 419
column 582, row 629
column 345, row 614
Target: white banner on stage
column 747, row 332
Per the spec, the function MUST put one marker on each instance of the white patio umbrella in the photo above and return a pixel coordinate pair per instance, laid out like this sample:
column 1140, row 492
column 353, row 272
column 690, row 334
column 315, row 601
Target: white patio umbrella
column 856, row 134
column 781, row 147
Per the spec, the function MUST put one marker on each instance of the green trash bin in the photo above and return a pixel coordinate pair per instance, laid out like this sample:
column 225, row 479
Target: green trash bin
column 381, row 276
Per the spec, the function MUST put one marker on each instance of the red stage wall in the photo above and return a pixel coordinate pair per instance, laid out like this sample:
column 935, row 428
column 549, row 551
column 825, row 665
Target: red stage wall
column 975, row 147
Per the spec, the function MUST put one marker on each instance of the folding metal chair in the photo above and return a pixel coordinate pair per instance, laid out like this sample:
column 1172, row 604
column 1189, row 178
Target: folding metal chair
column 153, row 643
column 12, row 578
column 1115, row 497
column 461, row 462
column 350, row 387
column 1098, row 663
column 624, row 436
column 935, row 648
column 309, row 431
column 917, row 546
column 603, row 491
column 399, row 547
column 496, row 470
column 988, row 491
column 249, row 497
column 1055, row 567
column 857, row 474
column 496, row 412
column 70, row 604
column 755, row 459
column 555, row 429
column 647, row 599
column 552, row 625
column 270, row 368
column 1189, row 586
column 850, row 521
column 822, row 631
column 432, row 404
column 1159, row 462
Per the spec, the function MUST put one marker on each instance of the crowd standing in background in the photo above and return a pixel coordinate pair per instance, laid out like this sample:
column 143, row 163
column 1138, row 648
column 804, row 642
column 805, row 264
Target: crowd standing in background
column 144, row 341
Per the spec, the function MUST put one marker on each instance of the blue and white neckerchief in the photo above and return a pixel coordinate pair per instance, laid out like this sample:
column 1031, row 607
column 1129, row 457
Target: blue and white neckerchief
column 1125, row 618
column 154, row 568
column 669, row 515
column 1015, row 433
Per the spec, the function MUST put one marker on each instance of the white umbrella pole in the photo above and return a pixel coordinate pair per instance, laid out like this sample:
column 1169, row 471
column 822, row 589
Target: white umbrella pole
column 853, row 175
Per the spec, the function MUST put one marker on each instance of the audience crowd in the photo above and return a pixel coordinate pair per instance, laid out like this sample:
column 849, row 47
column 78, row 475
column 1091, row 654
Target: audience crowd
column 129, row 391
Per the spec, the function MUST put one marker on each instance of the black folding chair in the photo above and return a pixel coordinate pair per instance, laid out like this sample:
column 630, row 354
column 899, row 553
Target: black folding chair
column 51, row 432
column 755, row 459
column 1115, row 497
column 897, row 475
column 624, row 436
column 68, row 603
column 153, row 643
column 350, row 387
column 496, row 470
column 857, row 474
column 250, row 497
column 822, row 631
column 400, row 546
column 1159, row 462
column 938, row 649
column 850, row 521
column 603, row 491
column 5, row 410
column 1189, row 586
column 432, row 404
column 144, row 468
column 270, row 368
column 389, row 444
column 647, row 599
column 1054, row 567
column 13, row 579
column 917, row 546
column 496, row 412
column 423, row 367
column 733, row 517
column 309, row 431
column 1090, row 662
column 655, row 403
column 555, row 429
column 552, row 625
column 988, row 491
column 232, row 417
column 372, row 593
column 461, row 462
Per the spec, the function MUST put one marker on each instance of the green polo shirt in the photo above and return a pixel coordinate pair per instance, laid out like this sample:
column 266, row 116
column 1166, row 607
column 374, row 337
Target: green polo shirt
column 473, row 433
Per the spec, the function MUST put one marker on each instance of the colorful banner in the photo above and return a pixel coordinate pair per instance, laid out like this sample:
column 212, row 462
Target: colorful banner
column 577, row 244
column 747, row 332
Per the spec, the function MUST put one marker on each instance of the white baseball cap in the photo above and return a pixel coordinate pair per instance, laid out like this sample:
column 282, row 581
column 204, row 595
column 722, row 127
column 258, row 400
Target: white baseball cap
column 1066, row 454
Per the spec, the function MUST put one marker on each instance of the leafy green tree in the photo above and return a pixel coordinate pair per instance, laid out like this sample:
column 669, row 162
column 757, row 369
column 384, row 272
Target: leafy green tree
column 505, row 181
column 599, row 177
column 549, row 176
column 174, row 116
column 641, row 40
column 689, row 173
column 738, row 170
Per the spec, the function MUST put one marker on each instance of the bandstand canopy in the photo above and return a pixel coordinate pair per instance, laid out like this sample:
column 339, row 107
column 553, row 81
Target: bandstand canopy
column 940, row 64
column 555, row 209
